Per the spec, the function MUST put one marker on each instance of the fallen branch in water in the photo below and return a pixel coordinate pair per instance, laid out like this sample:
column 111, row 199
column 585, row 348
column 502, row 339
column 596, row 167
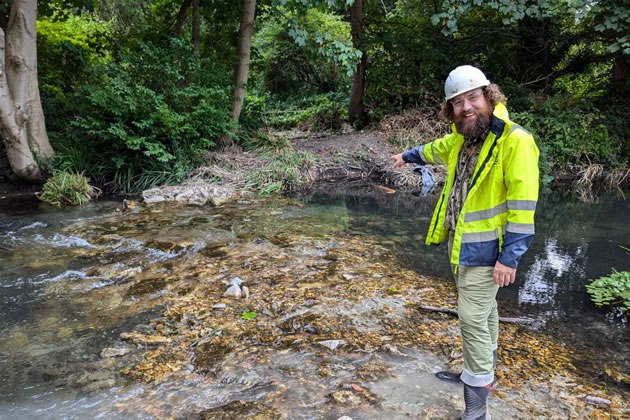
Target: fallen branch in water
column 454, row 312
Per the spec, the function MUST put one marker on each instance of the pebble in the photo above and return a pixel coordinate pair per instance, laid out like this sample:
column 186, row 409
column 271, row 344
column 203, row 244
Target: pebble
column 233, row 291
column 602, row 402
column 245, row 291
column 220, row 306
column 113, row 352
column 348, row 276
column 345, row 418
column 332, row 344
column 237, row 281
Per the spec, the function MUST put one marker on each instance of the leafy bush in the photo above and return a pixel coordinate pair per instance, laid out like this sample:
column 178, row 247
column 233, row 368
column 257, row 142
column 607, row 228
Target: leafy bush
column 285, row 171
column 317, row 112
column 154, row 112
column 570, row 136
column 68, row 48
column 287, row 66
column 65, row 188
column 611, row 290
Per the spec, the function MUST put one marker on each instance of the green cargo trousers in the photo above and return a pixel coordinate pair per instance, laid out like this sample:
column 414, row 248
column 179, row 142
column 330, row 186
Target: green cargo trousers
column 478, row 320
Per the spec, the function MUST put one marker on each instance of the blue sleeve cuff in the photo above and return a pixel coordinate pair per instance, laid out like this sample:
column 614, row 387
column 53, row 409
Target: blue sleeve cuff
column 514, row 246
column 413, row 156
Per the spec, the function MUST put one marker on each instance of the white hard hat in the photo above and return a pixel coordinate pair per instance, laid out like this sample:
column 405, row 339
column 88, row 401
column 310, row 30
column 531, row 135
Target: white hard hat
column 463, row 79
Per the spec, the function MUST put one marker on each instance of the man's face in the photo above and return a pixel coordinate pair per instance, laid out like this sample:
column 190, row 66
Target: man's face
column 472, row 113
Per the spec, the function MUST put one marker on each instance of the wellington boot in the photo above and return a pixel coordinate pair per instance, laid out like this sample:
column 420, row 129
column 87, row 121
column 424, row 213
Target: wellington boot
column 476, row 399
column 450, row 376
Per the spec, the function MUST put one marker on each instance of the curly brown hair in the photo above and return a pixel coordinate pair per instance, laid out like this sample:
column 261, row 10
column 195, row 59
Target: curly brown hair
column 492, row 92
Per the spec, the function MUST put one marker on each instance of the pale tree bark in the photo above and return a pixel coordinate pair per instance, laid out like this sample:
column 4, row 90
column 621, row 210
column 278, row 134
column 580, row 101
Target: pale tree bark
column 356, row 110
column 22, row 123
column 244, row 49
column 196, row 27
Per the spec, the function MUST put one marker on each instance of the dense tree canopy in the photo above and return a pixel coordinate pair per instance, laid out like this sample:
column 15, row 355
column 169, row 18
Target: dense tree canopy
column 134, row 92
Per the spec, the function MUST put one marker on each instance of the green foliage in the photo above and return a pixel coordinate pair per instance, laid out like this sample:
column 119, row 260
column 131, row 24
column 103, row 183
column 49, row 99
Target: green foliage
column 66, row 188
column 611, row 18
column 264, row 141
column 148, row 119
column 67, row 46
column 570, row 136
column 333, row 49
column 288, row 66
column 611, row 290
column 284, row 171
column 318, row 112
column 249, row 315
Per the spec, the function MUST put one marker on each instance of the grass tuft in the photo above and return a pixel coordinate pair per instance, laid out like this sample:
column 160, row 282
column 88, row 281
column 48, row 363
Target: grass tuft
column 285, row 170
column 67, row 189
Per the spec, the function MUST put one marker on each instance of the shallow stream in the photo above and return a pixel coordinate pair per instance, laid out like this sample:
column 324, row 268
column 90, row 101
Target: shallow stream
column 72, row 281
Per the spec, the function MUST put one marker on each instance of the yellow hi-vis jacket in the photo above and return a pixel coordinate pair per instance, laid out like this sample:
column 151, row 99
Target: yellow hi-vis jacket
column 496, row 221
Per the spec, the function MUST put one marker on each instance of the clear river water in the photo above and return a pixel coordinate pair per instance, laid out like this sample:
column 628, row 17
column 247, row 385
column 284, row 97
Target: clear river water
column 60, row 269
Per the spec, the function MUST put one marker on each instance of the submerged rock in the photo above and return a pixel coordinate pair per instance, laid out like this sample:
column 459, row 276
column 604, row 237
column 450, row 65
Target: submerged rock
column 237, row 281
column 194, row 193
column 233, row 291
column 331, row 344
column 238, row 410
column 345, row 397
column 114, row 352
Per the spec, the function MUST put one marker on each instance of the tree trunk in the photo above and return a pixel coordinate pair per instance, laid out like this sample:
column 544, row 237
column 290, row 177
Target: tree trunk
column 620, row 73
column 244, row 49
column 21, row 55
column 196, row 27
column 22, row 123
column 181, row 18
column 356, row 110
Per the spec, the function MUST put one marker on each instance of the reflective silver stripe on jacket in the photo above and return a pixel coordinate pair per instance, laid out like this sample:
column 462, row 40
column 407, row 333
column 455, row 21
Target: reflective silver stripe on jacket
column 526, row 228
column 521, row 204
column 436, row 159
column 480, row 236
column 474, row 216
column 421, row 153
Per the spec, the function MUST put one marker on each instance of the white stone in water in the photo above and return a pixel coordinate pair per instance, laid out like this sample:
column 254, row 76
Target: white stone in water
column 219, row 306
column 332, row 344
column 245, row 294
column 237, row 281
column 348, row 276
column 113, row 352
column 601, row 402
column 233, row 291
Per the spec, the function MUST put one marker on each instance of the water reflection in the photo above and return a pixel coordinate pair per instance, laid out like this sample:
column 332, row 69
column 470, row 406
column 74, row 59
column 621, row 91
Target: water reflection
column 540, row 283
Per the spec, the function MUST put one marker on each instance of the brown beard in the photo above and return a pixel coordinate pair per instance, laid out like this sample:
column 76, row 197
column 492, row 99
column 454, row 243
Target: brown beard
column 472, row 129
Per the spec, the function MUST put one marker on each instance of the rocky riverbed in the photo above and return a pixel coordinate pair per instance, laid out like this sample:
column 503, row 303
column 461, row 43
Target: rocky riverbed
column 322, row 320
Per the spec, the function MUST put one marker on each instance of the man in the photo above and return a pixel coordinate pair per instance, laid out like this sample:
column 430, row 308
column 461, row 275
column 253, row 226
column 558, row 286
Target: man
column 485, row 211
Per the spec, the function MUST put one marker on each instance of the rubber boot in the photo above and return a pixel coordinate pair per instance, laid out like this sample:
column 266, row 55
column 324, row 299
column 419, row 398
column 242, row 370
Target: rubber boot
column 450, row 376
column 476, row 399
